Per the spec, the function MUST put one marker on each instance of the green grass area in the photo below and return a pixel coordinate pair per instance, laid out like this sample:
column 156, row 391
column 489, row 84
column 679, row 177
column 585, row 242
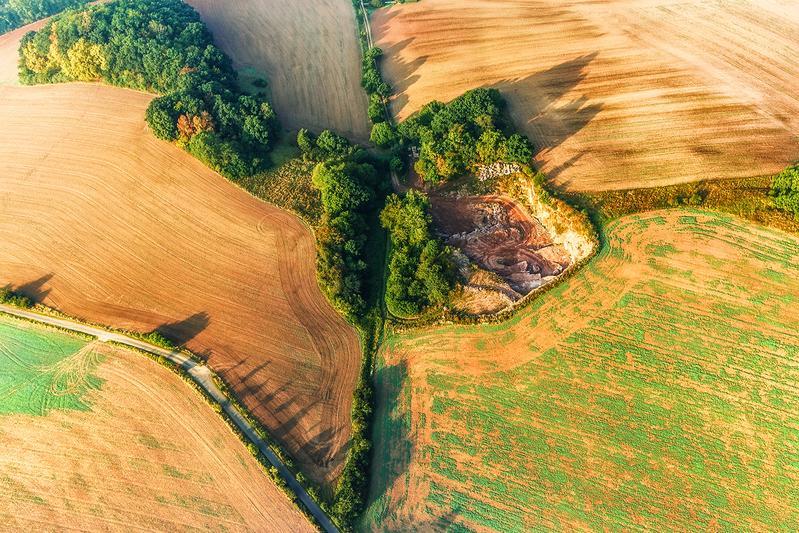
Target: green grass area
column 43, row 369
column 288, row 185
column 655, row 389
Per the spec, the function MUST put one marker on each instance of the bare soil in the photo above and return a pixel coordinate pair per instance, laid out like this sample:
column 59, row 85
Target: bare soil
column 307, row 50
column 615, row 94
column 499, row 237
column 149, row 454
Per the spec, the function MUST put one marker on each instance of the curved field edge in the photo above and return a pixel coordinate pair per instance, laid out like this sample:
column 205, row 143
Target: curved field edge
column 653, row 389
column 186, row 468
column 157, row 280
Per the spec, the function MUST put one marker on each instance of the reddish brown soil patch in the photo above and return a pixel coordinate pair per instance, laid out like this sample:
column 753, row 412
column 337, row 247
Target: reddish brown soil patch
column 498, row 236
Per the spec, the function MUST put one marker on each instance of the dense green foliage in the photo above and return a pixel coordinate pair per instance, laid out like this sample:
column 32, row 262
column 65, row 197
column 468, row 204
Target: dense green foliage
column 16, row 13
column 347, row 181
column 160, row 46
column 785, row 190
column 466, row 132
column 9, row 297
column 420, row 273
column 378, row 90
column 352, row 490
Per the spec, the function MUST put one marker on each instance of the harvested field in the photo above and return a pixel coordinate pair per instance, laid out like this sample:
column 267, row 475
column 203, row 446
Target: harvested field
column 615, row 94
column 122, row 444
column 104, row 222
column 499, row 237
column 656, row 389
column 307, row 50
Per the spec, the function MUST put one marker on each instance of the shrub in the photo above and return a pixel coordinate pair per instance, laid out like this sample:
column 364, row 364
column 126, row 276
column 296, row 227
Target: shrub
column 785, row 190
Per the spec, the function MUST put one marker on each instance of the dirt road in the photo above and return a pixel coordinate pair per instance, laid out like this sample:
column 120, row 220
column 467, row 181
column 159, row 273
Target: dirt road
column 203, row 376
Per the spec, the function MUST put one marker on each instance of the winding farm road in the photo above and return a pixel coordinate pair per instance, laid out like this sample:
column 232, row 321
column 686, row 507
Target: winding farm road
column 203, row 376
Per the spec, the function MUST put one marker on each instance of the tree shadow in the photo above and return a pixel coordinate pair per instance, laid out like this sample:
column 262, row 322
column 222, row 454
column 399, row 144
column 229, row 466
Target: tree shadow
column 183, row 331
column 535, row 102
column 33, row 289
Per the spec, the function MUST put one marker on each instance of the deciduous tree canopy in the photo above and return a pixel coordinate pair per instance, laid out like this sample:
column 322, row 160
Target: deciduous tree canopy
column 420, row 272
column 16, row 13
column 455, row 137
column 160, row 46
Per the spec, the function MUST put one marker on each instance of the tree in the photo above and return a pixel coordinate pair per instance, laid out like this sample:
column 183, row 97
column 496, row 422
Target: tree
column 332, row 144
column 162, row 118
column 420, row 273
column 518, row 149
column 383, row 135
column 305, row 141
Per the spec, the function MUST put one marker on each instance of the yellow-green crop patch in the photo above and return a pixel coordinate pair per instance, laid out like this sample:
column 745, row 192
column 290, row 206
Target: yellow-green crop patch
column 657, row 388
column 43, row 369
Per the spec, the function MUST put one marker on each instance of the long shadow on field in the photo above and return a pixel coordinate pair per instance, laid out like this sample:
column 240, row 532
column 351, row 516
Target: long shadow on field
column 404, row 73
column 392, row 429
column 536, row 102
column 184, row 330
column 34, row 289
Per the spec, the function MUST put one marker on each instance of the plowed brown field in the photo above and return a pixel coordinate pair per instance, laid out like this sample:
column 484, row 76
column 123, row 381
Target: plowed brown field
column 102, row 221
column 308, row 51
column 616, row 94
column 147, row 453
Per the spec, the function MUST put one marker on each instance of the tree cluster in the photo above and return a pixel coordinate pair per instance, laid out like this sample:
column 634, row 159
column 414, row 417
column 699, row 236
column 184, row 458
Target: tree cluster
column 785, row 190
column 420, row 272
column 160, row 46
column 16, row 13
column 10, row 297
column 347, row 182
column 456, row 137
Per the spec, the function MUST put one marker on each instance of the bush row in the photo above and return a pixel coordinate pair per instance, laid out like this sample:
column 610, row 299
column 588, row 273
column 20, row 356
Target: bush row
column 9, row 297
column 352, row 490
column 160, row 46
column 348, row 183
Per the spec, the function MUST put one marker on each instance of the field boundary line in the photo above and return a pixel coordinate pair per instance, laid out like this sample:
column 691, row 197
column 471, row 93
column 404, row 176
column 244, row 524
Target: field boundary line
column 204, row 378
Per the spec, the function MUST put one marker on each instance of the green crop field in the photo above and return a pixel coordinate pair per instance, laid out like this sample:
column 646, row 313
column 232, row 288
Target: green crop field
column 43, row 369
column 657, row 388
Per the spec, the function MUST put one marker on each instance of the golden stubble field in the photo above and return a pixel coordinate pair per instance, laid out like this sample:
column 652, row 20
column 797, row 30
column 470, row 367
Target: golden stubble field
column 308, row 51
column 615, row 94
column 102, row 221
column 146, row 453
